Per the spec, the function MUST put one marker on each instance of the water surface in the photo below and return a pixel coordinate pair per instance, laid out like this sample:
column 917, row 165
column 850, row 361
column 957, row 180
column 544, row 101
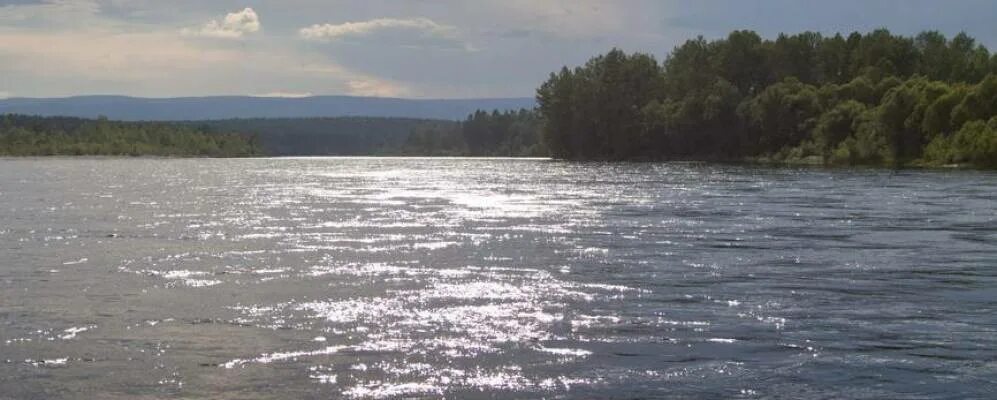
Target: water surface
column 374, row 278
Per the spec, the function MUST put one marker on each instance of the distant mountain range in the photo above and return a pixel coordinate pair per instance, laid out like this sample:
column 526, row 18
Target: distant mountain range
column 228, row 107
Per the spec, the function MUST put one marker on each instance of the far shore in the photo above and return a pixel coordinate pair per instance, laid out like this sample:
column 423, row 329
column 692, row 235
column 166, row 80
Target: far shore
column 758, row 162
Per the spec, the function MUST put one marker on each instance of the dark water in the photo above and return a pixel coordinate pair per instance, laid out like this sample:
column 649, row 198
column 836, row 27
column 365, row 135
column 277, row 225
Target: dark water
column 385, row 278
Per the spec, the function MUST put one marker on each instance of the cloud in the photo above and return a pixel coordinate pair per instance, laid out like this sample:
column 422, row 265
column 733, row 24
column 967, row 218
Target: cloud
column 332, row 32
column 356, row 83
column 411, row 32
column 63, row 12
column 119, row 56
column 569, row 18
column 376, row 88
column 234, row 26
column 389, row 47
column 162, row 64
column 285, row 95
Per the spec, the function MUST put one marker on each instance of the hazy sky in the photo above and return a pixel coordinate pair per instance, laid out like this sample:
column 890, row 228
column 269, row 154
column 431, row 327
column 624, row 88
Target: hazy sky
column 414, row 48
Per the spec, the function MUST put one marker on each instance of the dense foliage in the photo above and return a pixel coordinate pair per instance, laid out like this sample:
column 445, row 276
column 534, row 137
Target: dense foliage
column 340, row 136
column 876, row 98
column 495, row 134
column 22, row 135
column 510, row 133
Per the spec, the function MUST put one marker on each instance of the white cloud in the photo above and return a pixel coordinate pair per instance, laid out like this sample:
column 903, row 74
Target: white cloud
column 376, row 88
column 358, row 84
column 106, row 55
column 332, row 32
column 411, row 32
column 285, row 95
column 163, row 64
column 234, row 26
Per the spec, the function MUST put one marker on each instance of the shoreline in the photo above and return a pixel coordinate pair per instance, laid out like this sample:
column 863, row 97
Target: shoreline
column 760, row 162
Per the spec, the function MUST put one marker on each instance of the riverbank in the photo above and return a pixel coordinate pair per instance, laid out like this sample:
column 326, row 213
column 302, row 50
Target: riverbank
column 24, row 135
column 756, row 161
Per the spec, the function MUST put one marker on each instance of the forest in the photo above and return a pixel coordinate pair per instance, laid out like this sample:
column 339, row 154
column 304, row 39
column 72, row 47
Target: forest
column 22, row 135
column 508, row 133
column 482, row 134
column 496, row 133
column 862, row 99
column 338, row 136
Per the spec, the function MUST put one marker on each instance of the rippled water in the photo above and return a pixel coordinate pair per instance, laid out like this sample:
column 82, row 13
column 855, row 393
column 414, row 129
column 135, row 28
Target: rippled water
column 383, row 278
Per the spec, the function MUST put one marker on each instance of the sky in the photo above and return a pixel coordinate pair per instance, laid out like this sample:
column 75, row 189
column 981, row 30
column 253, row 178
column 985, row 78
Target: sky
column 394, row 48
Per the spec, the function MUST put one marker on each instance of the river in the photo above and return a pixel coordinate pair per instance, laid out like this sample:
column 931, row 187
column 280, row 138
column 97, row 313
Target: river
column 372, row 278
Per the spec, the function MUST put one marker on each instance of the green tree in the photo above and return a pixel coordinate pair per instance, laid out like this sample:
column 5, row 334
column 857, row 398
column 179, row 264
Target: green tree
column 837, row 124
column 594, row 111
column 874, row 98
column 782, row 115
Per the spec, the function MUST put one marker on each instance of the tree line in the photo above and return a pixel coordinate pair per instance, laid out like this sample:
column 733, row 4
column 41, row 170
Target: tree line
column 482, row 134
column 875, row 98
column 496, row 133
column 335, row 136
column 22, row 135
